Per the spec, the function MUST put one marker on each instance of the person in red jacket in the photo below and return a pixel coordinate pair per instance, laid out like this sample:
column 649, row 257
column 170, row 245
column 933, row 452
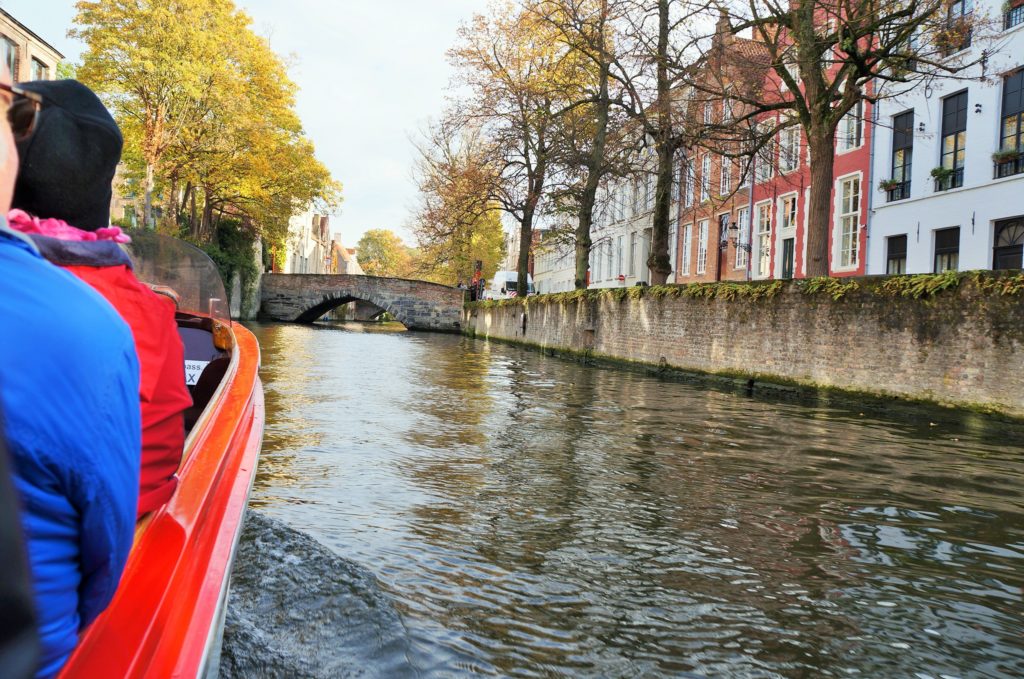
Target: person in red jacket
column 62, row 200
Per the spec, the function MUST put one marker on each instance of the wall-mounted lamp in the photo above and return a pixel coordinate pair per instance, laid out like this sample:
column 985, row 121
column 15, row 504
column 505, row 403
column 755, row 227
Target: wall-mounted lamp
column 920, row 127
column 977, row 108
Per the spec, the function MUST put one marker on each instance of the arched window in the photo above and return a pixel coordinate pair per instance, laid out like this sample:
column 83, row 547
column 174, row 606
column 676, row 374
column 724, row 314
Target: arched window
column 1009, row 245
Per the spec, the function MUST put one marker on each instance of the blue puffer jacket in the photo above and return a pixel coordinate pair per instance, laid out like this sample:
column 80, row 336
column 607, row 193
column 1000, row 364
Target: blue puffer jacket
column 69, row 386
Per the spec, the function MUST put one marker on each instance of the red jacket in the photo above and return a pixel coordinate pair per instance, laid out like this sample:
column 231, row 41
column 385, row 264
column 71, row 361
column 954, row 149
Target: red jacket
column 162, row 391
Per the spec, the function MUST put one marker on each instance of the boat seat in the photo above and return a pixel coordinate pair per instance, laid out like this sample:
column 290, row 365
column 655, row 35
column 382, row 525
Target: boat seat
column 205, row 363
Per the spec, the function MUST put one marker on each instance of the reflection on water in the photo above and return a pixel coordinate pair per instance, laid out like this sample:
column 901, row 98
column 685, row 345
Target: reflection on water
column 528, row 516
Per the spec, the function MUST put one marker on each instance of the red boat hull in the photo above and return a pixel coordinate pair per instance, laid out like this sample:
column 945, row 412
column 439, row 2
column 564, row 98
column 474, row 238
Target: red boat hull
column 164, row 619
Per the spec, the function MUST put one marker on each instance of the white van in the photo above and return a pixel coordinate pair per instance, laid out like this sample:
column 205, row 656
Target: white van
column 504, row 284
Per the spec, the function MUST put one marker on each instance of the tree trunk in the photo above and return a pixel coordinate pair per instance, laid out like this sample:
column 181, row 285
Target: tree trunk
column 171, row 218
column 819, row 206
column 525, row 242
column 207, row 226
column 147, row 211
column 595, row 165
column 193, row 221
column 659, row 261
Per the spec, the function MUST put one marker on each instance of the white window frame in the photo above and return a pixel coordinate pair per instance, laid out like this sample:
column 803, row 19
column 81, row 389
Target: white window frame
column 743, row 223
column 764, row 169
column 763, row 210
column 705, row 171
column 850, row 132
column 618, row 256
column 632, row 253
column 846, row 227
column 610, row 274
column 688, row 190
column 709, row 112
column 702, row 246
column 725, row 175
column 788, row 218
column 789, row 150
column 684, row 266
column 673, row 247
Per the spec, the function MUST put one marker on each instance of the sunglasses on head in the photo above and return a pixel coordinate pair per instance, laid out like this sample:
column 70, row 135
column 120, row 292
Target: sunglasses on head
column 23, row 111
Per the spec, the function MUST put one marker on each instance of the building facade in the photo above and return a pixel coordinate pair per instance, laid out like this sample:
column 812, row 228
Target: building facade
column 308, row 247
column 554, row 265
column 951, row 156
column 27, row 56
column 623, row 231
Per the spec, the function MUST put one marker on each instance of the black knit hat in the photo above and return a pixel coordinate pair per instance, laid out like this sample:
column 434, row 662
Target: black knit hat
column 68, row 163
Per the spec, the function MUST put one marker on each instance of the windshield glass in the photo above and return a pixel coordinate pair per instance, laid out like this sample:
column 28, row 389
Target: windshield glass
column 160, row 260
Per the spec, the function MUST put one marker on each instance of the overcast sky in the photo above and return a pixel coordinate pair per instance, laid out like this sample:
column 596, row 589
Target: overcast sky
column 371, row 73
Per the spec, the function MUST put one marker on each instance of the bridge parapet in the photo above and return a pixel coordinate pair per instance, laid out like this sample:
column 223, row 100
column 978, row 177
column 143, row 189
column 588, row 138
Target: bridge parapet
column 303, row 298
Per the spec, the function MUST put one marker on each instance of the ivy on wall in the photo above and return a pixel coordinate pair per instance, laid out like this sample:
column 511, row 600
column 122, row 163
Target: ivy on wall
column 914, row 286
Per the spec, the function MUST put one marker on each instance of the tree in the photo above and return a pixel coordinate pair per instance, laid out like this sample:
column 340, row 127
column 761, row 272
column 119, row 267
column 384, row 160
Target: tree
column 207, row 112
column 457, row 222
column 581, row 140
column 827, row 57
column 651, row 42
column 382, row 253
column 510, row 65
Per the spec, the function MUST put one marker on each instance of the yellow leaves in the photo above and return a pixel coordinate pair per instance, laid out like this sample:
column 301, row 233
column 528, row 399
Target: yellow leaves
column 205, row 101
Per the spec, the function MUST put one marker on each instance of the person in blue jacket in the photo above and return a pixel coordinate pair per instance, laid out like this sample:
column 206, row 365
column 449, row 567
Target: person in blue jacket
column 69, row 391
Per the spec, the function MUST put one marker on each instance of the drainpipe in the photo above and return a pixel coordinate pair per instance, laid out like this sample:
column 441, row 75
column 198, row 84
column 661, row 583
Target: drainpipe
column 869, row 189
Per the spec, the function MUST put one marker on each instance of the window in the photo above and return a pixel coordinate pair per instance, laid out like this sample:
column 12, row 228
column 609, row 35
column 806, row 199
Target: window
column 632, row 253
column 40, row 71
column 709, row 111
column 596, row 266
column 764, row 239
column 610, row 273
column 673, row 246
column 684, row 266
column 849, row 222
column 947, row 249
column 705, row 177
column 789, row 151
column 688, row 191
column 723, row 236
column 1011, row 140
column 1009, row 248
column 765, row 166
column 725, row 180
column 702, row 246
column 850, row 134
column 634, row 205
column 902, row 155
column 1014, row 15
column 10, row 56
column 787, row 218
column 896, row 255
column 649, row 189
column 726, row 110
column 743, row 223
column 618, row 256
column 957, row 34
column 954, row 142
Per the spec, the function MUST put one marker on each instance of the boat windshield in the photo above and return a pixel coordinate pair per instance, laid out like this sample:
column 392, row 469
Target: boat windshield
column 181, row 269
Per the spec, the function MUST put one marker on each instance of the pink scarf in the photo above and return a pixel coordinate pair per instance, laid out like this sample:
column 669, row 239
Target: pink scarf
column 61, row 230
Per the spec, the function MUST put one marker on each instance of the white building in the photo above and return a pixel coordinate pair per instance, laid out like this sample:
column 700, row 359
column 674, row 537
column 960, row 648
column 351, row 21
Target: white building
column 623, row 233
column 971, row 217
column 554, row 266
column 308, row 244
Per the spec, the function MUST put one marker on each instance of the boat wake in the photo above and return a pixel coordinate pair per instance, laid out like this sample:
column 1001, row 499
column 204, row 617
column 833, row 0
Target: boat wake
column 296, row 609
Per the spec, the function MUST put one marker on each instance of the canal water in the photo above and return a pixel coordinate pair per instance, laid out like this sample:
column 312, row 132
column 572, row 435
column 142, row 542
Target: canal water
column 435, row 506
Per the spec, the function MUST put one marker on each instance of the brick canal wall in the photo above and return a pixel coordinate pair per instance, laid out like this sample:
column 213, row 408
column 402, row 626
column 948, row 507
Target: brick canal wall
column 960, row 343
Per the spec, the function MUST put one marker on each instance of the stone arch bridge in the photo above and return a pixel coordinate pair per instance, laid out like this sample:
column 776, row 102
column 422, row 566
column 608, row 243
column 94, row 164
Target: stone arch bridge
column 303, row 298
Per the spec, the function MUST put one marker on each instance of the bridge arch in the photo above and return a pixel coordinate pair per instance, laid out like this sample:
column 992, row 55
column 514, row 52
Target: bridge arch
column 303, row 298
column 327, row 305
